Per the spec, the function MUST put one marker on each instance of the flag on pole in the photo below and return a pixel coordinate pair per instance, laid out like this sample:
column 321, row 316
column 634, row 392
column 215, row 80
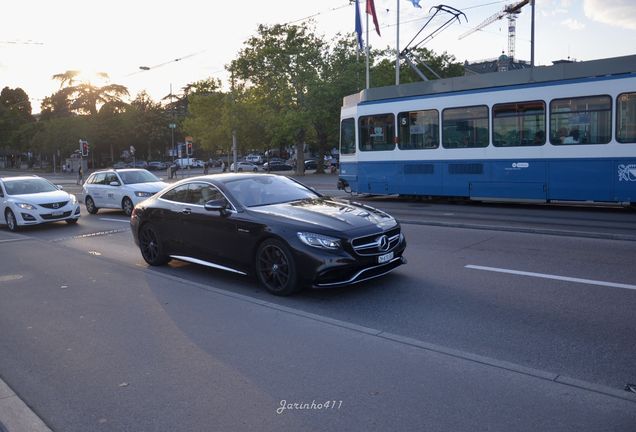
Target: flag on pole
column 416, row 3
column 359, row 26
column 371, row 11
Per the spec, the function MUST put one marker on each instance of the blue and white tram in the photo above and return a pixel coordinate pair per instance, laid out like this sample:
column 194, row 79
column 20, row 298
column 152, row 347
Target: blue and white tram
column 554, row 133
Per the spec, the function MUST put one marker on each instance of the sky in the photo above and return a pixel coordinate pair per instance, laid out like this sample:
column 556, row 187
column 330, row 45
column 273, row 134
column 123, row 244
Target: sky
column 190, row 40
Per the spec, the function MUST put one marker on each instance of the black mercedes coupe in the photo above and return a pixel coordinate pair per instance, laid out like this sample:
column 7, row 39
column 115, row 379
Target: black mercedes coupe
column 286, row 234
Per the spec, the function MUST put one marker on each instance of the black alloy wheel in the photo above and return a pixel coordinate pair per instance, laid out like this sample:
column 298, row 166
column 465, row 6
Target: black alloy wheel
column 127, row 206
column 150, row 246
column 275, row 268
column 12, row 223
column 90, row 205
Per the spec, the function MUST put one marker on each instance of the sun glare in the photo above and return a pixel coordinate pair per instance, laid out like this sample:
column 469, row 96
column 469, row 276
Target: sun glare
column 92, row 77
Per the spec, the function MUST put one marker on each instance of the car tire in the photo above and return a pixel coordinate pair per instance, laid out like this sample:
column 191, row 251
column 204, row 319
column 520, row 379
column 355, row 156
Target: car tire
column 90, row 205
column 151, row 247
column 255, row 169
column 127, row 206
column 12, row 223
column 240, row 170
column 276, row 268
column 71, row 221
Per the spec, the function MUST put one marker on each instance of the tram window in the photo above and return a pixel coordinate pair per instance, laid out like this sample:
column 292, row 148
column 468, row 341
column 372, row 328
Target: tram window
column 348, row 136
column 377, row 132
column 584, row 120
column 518, row 124
column 465, row 127
column 626, row 118
column 418, row 130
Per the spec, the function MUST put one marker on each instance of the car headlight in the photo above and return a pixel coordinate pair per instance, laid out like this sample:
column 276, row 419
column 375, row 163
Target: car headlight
column 144, row 194
column 319, row 240
column 73, row 199
column 25, row 206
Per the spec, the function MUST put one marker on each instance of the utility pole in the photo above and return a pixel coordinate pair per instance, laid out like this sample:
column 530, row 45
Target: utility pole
column 532, row 2
column 397, row 46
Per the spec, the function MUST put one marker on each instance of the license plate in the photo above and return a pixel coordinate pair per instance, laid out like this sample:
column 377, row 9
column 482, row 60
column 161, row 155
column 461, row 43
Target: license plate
column 57, row 213
column 385, row 258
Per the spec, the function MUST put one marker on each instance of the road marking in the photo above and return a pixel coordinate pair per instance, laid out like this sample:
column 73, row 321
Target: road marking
column 115, row 220
column 555, row 277
column 7, row 278
column 13, row 240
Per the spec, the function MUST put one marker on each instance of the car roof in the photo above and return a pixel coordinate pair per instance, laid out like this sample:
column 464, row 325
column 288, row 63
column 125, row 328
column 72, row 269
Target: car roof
column 12, row 178
column 224, row 177
column 119, row 170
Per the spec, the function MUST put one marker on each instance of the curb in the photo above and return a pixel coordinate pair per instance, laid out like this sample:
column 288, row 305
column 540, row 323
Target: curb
column 15, row 415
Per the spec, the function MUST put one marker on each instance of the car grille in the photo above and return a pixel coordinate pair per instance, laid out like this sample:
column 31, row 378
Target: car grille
column 373, row 244
column 55, row 205
column 50, row 216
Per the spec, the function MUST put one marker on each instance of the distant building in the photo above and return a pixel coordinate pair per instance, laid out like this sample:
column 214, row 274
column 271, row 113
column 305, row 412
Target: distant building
column 501, row 64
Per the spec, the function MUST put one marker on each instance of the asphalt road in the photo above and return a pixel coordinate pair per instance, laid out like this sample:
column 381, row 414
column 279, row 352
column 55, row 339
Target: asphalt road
column 506, row 318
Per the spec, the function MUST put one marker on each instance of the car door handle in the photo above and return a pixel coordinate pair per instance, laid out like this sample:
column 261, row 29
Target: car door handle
column 186, row 211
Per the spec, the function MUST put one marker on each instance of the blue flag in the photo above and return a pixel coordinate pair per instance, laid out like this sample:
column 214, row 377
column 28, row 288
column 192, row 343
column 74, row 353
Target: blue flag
column 416, row 3
column 359, row 26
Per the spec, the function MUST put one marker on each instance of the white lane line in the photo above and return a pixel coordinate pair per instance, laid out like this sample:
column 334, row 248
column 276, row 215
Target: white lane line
column 115, row 220
column 14, row 240
column 555, row 277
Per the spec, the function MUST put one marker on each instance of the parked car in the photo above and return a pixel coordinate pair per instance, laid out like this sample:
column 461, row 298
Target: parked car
column 120, row 165
column 244, row 166
column 277, row 166
column 157, row 165
column 32, row 200
column 139, row 164
column 256, row 159
column 311, row 164
column 119, row 189
column 270, row 226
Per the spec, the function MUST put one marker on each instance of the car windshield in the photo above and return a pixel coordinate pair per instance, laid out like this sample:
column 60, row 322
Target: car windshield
column 28, row 186
column 265, row 190
column 141, row 176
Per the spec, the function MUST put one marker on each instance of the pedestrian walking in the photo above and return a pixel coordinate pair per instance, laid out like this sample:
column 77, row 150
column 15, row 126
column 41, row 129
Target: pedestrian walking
column 80, row 175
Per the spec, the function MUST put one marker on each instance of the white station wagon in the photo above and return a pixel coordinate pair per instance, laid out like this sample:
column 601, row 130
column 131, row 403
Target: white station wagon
column 120, row 189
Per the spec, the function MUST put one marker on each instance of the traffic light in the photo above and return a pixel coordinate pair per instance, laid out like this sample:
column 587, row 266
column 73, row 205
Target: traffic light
column 189, row 148
column 84, row 148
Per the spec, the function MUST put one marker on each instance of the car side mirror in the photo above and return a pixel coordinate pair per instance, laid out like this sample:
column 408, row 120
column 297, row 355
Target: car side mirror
column 60, row 187
column 219, row 205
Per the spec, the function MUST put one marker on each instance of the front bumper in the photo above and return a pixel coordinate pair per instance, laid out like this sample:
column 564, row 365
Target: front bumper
column 321, row 269
column 26, row 217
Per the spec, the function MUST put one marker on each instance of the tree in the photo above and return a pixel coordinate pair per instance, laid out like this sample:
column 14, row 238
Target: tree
column 86, row 97
column 15, row 112
column 280, row 63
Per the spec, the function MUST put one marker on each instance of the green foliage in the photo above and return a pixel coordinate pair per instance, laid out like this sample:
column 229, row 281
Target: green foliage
column 286, row 89
column 15, row 113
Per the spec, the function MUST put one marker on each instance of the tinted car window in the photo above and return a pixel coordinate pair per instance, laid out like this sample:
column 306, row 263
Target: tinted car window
column 141, row 176
column 178, row 194
column 111, row 177
column 265, row 190
column 28, row 186
column 200, row 193
column 98, row 178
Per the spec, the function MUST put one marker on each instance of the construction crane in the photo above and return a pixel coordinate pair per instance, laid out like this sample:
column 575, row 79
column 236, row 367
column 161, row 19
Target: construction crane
column 511, row 10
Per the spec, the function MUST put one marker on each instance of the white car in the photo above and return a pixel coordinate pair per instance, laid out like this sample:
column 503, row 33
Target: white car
column 244, row 166
column 120, row 189
column 32, row 200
